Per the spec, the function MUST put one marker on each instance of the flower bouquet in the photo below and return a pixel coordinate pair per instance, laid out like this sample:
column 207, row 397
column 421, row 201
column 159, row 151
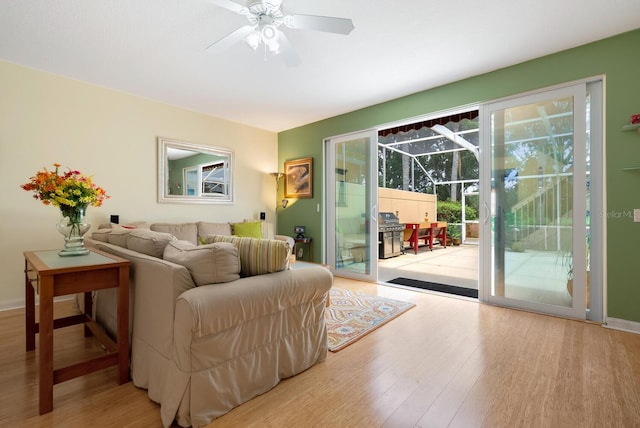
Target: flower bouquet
column 72, row 192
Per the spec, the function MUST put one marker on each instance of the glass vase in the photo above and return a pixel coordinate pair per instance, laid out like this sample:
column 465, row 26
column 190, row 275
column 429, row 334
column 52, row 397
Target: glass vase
column 73, row 227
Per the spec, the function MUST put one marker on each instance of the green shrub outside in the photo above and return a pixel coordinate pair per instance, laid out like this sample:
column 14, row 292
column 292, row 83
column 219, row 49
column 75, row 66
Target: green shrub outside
column 451, row 212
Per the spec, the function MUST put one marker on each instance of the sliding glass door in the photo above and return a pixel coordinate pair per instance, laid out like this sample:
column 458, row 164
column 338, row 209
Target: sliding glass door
column 351, row 201
column 534, row 194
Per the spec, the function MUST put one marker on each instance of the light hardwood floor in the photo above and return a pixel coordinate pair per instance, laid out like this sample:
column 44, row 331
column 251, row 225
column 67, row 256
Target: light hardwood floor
column 447, row 362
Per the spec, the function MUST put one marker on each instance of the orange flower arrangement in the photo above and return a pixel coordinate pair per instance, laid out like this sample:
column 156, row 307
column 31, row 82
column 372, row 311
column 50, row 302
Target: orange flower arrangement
column 71, row 191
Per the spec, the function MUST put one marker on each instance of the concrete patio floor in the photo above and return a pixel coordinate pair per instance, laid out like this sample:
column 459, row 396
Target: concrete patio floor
column 535, row 276
column 453, row 265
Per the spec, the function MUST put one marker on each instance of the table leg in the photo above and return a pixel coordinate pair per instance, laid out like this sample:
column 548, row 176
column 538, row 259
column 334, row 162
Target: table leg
column 88, row 310
column 30, row 311
column 123, row 326
column 46, row 344
column 415, row 240
column 443, row 231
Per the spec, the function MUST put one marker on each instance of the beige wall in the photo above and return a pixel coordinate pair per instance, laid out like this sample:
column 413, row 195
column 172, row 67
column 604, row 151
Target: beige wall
column 111, row 135
column 410, row 206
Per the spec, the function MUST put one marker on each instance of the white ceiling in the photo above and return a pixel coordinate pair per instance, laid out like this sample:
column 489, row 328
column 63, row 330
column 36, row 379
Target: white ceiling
column 156, row 49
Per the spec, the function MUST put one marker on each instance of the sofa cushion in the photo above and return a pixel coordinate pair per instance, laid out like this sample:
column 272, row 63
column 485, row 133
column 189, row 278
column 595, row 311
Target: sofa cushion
column 134, row 225
column 249, row 229
column 102, row 234
column 120, row 232
column 257, row 256
column 207, row 264
column 207, row 228
column 148, row 242
column 182, row 231
column 119, row 236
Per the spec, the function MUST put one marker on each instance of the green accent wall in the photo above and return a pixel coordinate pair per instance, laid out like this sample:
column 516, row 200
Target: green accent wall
column 614, row 58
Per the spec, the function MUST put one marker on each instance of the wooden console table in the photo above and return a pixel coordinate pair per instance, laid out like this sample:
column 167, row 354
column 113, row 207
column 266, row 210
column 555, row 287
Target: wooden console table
column 51, row 275
column 414, row 232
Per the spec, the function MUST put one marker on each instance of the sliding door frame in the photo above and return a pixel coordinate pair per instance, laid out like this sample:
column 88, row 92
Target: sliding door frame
column 594, row 87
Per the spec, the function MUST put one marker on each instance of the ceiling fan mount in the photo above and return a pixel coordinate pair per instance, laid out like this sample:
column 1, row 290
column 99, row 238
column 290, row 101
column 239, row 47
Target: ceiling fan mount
column 265, row 19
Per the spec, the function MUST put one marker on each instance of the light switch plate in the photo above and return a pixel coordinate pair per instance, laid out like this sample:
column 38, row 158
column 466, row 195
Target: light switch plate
column 636, row 215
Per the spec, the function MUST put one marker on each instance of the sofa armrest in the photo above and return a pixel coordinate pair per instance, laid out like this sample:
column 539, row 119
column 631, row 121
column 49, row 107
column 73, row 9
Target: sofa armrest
column 155, row 286
column 287, row 239
column 236, row 340
column 218, row 309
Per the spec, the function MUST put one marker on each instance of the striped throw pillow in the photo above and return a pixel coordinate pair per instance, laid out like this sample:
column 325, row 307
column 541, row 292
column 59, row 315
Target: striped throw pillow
column 257, row 256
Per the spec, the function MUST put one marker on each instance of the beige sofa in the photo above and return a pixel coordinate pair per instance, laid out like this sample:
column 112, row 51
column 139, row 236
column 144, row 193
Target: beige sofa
column 202, row 349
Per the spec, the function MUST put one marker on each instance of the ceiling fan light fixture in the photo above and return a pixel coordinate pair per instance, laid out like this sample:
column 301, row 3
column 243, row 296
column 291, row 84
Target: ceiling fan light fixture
column 253, row 39
column 269, row 34
column 271, row 6
column 274, row 48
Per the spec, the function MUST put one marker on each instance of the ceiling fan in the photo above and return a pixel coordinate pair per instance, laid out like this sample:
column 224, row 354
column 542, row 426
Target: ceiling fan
column 265, row 19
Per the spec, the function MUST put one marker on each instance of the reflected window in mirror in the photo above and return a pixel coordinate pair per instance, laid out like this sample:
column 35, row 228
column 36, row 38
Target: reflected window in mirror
column 190, row 173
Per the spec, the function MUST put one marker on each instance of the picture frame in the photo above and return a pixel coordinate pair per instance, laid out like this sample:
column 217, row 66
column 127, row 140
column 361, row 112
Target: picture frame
column 298, row 178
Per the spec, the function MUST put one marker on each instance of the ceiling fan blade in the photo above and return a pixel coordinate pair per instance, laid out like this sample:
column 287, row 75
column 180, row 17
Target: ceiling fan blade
column 287, row 51
column 230, row 39
column 231, row 5
column 319, row 23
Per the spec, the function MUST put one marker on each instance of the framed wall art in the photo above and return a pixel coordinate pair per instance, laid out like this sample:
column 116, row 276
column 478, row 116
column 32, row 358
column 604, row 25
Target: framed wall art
column 298, row 178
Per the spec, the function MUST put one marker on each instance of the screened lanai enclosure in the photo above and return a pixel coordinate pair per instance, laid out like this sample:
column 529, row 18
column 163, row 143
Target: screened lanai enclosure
column 434, row 166
column 438, row 157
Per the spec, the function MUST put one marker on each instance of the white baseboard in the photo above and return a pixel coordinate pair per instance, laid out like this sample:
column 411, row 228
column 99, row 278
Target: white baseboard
column 7, row 305
column 623, row 325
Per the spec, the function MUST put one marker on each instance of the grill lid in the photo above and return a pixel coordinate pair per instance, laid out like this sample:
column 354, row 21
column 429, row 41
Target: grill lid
column 389, row 222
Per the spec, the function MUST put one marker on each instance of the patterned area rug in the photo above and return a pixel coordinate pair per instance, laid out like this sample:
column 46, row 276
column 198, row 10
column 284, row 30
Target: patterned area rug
column 351, row 315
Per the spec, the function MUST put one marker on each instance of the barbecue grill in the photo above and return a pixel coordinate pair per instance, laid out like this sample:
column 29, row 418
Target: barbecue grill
column 390, row 235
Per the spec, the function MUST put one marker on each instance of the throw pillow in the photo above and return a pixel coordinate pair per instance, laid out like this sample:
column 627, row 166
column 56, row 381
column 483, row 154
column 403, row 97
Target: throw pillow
column 207, row 264
column 249, row 229
column 257, row 256
column 148, row 242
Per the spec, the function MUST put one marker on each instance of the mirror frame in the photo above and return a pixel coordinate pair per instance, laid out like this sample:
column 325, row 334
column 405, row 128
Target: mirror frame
column 163, row 176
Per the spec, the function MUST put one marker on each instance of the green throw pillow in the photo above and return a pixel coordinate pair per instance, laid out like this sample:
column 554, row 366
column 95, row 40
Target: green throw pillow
column 249, row 229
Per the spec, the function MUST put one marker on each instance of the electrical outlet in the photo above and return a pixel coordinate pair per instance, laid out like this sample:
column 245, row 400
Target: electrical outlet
column 636, row 215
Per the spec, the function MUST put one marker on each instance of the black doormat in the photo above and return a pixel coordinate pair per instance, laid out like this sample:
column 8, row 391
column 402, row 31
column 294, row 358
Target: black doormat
column 434, row 286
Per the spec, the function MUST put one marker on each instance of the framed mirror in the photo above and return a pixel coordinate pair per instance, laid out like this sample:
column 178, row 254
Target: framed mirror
column 194, row 174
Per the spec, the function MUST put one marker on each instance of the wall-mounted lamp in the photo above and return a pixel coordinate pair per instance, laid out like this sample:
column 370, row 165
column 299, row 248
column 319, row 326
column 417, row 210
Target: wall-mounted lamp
column 277, row 175
column 284, row 202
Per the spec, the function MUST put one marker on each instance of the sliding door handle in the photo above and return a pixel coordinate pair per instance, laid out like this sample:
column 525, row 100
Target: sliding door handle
column 487, row 213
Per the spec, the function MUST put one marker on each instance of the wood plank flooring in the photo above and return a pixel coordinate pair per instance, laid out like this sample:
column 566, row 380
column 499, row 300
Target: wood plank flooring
column 448, row 362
